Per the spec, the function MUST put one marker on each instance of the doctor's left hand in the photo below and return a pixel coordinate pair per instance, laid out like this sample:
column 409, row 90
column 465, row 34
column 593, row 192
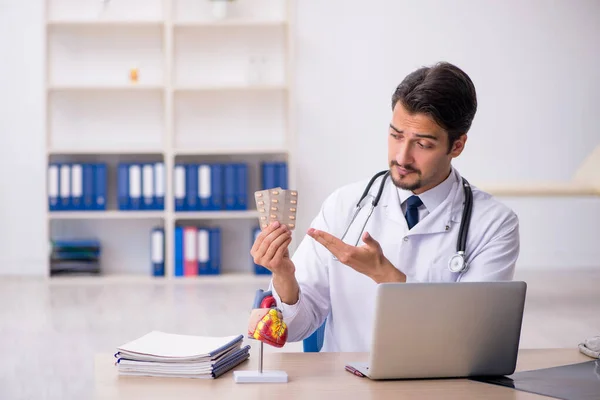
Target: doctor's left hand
column 367, row 259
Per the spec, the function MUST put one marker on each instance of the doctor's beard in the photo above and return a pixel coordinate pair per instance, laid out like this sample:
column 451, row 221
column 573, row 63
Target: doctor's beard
column 400, row 183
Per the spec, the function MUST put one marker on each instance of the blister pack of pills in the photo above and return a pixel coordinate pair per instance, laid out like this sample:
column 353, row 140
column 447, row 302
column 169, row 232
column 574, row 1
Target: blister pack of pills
column 277, row 204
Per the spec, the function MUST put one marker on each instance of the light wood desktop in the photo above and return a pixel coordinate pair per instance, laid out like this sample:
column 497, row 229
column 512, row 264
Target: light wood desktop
column 317, row 376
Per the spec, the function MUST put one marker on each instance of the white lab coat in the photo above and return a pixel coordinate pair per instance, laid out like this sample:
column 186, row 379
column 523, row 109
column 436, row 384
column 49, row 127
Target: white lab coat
column 332, row 290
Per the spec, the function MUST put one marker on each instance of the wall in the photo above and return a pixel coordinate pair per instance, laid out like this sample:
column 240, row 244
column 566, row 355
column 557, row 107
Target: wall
column 23, row 245
column 538, row 83
column 532, row 62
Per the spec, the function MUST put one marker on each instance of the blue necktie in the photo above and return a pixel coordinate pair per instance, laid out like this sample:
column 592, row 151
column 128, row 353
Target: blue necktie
column 412, row 210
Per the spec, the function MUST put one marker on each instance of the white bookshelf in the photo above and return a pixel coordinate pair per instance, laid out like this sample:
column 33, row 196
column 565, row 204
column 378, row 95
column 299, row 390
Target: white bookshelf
column 230, row 23
column 57, row 151
column 104, row 88
column 208, row 89
column 66, row 23
column 230, row 150
column 217, row 215
column 106, row 215
column 233, row 88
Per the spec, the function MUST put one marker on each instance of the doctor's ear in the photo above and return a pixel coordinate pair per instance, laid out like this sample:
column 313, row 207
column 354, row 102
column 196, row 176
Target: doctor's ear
column 458, row 146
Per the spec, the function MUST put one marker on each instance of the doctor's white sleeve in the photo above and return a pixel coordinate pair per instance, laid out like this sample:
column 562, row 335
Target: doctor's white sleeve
column 495, row 260
column 312, row 273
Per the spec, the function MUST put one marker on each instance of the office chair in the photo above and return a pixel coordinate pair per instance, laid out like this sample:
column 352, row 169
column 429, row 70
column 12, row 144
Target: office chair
column 314, row 342
column 311, row 344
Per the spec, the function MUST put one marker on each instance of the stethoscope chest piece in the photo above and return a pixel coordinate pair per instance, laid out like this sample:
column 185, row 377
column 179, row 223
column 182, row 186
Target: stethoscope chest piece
column 457, row 263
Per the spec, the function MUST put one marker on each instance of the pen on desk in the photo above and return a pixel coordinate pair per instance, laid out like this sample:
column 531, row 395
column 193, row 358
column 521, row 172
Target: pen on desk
column 354, row 371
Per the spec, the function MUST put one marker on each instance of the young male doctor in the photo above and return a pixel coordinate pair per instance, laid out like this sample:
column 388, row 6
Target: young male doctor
column 412, row 233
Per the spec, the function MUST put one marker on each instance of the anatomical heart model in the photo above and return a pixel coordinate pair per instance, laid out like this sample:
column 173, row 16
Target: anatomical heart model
column 267, row 326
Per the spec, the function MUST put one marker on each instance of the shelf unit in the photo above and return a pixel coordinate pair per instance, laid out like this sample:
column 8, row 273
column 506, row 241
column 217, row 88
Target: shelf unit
column 105, row 215
column 550, row 189
column 585, row 182
column 103, row 88
column 210, row 88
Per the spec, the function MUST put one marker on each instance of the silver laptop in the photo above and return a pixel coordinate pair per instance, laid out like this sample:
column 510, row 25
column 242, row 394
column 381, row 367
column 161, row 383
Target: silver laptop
column 445, row 330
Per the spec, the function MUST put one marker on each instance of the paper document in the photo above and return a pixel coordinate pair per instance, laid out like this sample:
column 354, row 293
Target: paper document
column 168, row 354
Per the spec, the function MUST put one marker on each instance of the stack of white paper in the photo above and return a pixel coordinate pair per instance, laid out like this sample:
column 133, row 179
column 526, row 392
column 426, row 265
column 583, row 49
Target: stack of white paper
column 166, row 354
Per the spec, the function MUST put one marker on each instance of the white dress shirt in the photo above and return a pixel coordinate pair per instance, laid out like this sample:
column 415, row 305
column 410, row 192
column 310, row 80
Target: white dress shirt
column 336, row 292
column 430, row 198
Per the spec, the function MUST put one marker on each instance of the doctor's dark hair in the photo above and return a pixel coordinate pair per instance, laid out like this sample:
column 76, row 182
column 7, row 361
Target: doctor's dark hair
column 443, row 92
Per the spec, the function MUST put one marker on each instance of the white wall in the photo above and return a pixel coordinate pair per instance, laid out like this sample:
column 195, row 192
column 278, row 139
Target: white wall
column 533, row 62
column 535, row 65
column 23, row 245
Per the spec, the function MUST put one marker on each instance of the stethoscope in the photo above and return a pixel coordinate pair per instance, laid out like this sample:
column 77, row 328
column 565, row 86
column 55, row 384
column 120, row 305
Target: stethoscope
column 457, row 262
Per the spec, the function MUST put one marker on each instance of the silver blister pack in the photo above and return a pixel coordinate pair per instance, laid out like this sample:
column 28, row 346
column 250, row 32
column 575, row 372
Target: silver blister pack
column 277, row 204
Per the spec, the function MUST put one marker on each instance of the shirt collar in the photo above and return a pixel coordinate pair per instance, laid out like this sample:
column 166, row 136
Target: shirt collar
column 432, row 197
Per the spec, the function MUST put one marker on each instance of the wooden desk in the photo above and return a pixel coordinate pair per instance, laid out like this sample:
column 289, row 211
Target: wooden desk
column 315, row 376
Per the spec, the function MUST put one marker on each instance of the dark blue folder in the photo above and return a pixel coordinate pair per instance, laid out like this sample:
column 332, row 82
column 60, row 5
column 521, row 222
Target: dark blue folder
column 282, row 175
column 268, row 175
column 215, row 251
column 230, row 187
column 191, row 188
column 216, row 178
column 123, row 186
column 101, row 183
column 89, row 199
column 241, row 186
column 178, row 251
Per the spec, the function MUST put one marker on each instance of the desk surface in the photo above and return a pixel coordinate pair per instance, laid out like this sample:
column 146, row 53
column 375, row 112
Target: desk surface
column 317, row 376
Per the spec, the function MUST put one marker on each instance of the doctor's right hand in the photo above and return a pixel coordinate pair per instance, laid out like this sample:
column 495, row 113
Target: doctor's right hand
column 270, row 250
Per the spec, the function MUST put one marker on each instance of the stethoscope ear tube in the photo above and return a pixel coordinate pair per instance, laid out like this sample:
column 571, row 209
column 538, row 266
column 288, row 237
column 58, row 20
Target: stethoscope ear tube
column 375, row 200
column 373, row 204
column 380, row 191
column 368, row 188
column 466, row 218
column 356, row 211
